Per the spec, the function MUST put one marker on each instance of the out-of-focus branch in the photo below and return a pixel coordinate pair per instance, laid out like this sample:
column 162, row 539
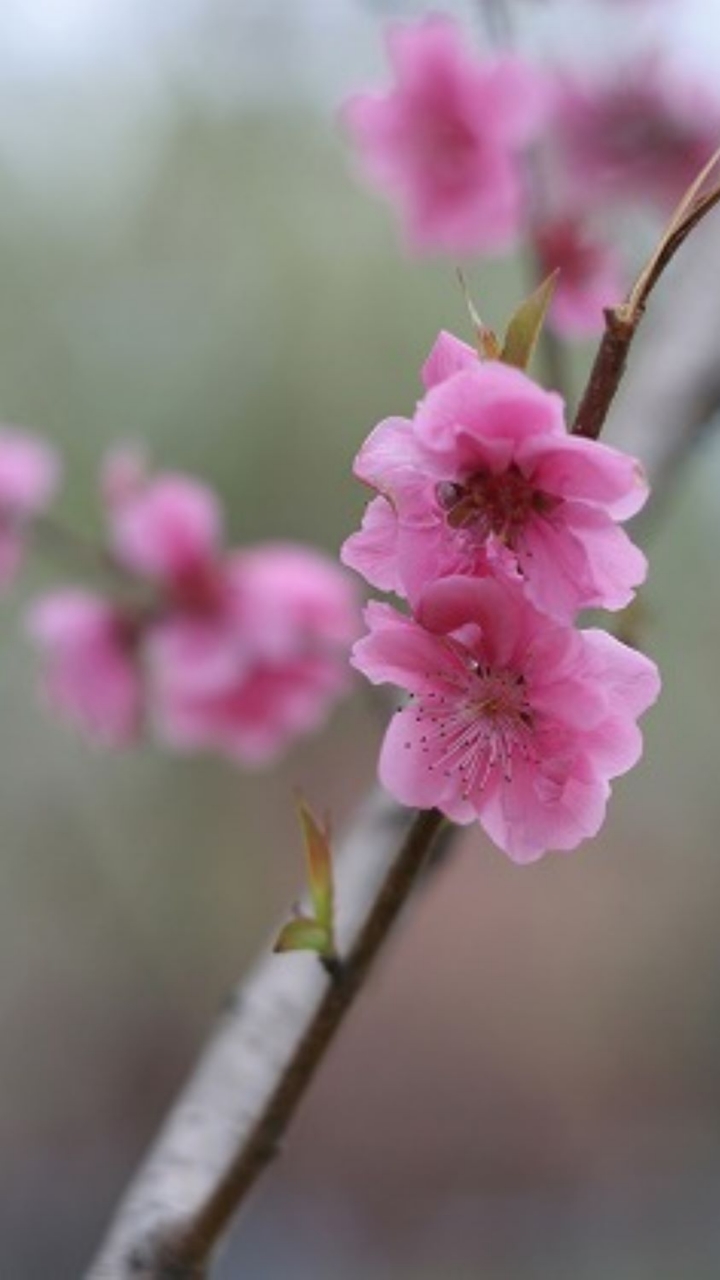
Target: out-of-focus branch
column 228, row 1123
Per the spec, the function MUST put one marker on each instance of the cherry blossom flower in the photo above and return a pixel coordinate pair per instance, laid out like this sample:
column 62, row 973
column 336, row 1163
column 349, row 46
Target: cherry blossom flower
column 29, row 476
column 168, row 530
column 89, row 649
column 264, row 664
column 589, row 279
column 486, row 479
column 644, row 134
column 445, row 142
column 513, row 720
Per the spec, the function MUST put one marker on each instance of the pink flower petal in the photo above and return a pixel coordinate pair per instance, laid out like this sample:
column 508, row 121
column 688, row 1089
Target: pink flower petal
column 90, row 671
column 588, row 471
column 372, row 551
column 479, row 417
column 448, row 356
column 172, row 527
column 29, row 472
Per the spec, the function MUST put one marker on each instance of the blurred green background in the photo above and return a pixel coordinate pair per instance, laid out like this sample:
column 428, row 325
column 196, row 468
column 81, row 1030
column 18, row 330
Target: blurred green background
column 531, row 1087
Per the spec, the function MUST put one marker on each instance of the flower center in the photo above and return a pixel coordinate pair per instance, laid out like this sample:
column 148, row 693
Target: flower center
column 446, row 146
column 493, row 504
column 197, row 588
column 483, row 727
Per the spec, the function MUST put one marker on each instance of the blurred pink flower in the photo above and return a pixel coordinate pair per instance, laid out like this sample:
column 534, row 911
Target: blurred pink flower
column 486, row 480
column 644, row 134
column 88, row 649
column 167, row 529
column 263, row 665
column 239, row 652
column 444, row 143
column 29, row 476
column 589, row 280
column 513, row 720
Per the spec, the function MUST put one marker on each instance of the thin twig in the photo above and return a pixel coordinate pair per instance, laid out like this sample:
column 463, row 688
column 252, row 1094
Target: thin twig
column 622, row 322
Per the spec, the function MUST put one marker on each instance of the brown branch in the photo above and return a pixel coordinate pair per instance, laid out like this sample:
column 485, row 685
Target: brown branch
column 670, row 395
column 622, row 322
column 228, row 1123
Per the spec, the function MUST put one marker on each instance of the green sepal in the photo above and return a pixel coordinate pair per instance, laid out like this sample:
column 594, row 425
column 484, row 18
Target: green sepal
column 313, row 932
column 319, row 862
column 486, row 341
column 526, row 324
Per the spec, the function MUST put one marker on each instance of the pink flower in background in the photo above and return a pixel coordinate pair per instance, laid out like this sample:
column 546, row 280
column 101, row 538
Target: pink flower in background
column 167, row 529
column 89, row 654
column 265, row 664
column 589, row 280
column 29, row 477
column 514, row 720
column 445, row 142
column 646, row 133
column 486, row 480
column 240, row 652
column 250, row 647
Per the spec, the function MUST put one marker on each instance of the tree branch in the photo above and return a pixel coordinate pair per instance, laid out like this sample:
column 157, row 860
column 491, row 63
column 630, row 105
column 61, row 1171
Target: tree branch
column 670, row 395
column 622, row 322
column 227, row 1124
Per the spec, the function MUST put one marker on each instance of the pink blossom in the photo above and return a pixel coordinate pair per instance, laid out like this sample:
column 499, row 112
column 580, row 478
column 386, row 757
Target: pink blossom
column 485, row 479
column 168, row 530
column 29, row 476
column 91, row 674
column 644, row 134
column 246, row 649
column 513, row 720
column 589, row 280
column 263, row 665
column 445, row 142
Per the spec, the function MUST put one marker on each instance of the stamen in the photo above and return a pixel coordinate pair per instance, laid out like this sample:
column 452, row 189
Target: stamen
column 473, row 730
column 489, row 504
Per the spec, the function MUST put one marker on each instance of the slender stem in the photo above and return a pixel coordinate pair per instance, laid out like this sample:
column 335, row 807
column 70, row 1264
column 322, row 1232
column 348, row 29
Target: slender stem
column 606, row 375
column 622, row 323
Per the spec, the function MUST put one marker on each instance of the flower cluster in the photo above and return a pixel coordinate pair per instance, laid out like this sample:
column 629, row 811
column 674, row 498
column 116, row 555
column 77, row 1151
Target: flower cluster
column 232, row 651
column 449, row 144
column 497, row 527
